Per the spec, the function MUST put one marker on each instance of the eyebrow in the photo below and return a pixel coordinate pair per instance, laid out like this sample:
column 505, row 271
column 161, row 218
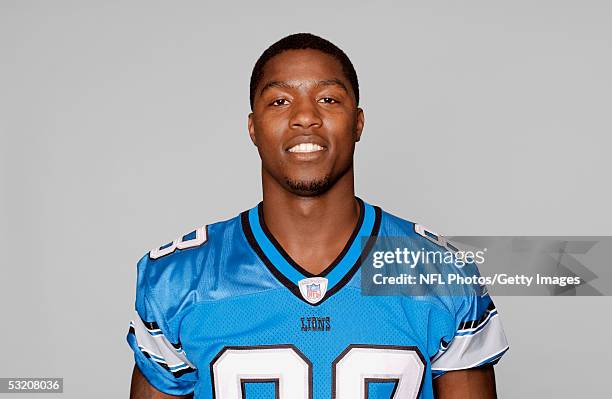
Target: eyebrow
column 286, row 85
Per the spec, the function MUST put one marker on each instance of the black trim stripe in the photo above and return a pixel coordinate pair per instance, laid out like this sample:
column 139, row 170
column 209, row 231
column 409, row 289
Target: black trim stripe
column 246, row 228
column 467, row 325
column 244, row 381
column 367, row 382
column 292, row 262
column 163, row 365
column 364, row 255
column 248, row 232
column 152, row 326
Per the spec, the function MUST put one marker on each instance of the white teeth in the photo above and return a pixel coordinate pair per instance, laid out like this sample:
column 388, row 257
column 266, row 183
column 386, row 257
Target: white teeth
column 306, row 147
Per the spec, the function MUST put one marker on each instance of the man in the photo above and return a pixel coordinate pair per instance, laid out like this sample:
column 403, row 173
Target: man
column 268, row 304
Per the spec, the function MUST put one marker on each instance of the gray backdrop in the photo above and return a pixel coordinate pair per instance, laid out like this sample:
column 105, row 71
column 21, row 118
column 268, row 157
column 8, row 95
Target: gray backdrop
column 124, row 124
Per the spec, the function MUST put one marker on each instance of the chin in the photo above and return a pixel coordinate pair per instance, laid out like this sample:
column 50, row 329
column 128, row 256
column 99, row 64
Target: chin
column 309, row 187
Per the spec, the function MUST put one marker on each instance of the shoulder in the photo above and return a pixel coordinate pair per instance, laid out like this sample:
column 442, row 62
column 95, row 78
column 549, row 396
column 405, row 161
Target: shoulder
column 185, row 250
column 430, row 253
column 413, row 232
column 210, row 263
column 169, row 276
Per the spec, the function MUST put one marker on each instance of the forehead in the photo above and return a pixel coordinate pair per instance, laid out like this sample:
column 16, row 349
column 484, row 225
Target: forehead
column 302, row 65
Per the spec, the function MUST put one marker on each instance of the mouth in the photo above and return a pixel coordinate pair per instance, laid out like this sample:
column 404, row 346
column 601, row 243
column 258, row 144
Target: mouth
column 306, row 148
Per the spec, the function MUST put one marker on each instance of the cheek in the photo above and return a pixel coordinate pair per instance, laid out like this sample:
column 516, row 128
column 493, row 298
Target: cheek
column 269, row 133
column 267, row 136
column 343, row 127
column 270, row 128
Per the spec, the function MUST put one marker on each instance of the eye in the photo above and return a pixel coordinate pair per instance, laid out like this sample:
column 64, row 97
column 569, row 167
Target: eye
column 279, row 102
column 328, row 100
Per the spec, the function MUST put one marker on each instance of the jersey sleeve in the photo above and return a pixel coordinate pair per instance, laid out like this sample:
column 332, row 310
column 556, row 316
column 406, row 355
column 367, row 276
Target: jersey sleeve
column 154, row 340
column 472, row 334
column 478, row 339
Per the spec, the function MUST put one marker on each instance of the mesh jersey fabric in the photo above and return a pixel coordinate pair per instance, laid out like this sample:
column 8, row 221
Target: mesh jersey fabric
column 220, row 314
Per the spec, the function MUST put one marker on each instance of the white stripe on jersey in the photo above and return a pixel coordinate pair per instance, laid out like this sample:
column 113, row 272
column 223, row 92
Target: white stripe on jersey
column 467, row 351
column 158, row 345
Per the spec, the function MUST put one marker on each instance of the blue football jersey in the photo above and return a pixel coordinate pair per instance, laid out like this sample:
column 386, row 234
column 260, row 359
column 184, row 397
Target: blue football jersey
column 226, row 313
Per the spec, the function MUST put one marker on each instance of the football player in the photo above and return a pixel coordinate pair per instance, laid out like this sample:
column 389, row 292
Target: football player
column 268, row 304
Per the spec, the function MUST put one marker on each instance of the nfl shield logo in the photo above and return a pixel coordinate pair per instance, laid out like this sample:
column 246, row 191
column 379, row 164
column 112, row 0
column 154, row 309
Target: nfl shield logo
column 313, row 289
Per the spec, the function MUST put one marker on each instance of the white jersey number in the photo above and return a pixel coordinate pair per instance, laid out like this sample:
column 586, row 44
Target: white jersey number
column 361, row 364
column 283, row 365
column 201, row 235
column 291, row 371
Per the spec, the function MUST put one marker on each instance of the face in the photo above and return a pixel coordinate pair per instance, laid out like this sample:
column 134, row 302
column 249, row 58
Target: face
column 305, row 121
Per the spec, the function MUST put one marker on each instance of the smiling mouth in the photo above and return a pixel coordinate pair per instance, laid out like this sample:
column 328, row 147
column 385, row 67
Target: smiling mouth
column 303, row 148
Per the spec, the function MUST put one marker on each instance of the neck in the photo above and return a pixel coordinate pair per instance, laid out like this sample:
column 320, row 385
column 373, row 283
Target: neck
column 312, row 230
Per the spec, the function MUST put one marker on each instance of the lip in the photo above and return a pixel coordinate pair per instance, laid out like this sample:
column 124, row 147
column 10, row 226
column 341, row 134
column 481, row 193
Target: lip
column 303, row 139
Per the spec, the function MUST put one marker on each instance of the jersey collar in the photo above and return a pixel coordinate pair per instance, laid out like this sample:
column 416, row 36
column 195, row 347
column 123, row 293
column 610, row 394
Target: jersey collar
column 289, row 273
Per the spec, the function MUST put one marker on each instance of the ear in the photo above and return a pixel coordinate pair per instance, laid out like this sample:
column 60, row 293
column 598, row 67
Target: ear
column 251, row 128
column 359, row 125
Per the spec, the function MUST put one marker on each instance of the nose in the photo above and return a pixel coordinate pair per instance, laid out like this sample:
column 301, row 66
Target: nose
column 305, row 116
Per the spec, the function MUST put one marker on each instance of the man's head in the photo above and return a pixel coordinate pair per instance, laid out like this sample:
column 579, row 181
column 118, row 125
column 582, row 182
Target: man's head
column 305, row 121
column 302, row 41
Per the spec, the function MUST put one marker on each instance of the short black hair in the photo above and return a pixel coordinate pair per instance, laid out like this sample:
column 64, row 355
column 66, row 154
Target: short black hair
column 302, row 41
